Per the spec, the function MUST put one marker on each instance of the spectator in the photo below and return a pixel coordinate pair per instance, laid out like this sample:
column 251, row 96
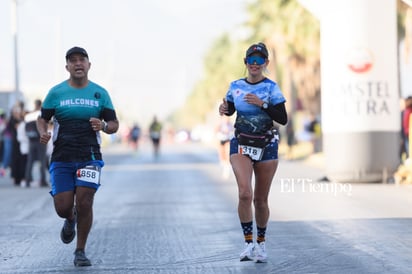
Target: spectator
column 3, row 124
column 405, row 123
column 290, row 136
column 37, row 151
column 10, row 144
column 21, row 156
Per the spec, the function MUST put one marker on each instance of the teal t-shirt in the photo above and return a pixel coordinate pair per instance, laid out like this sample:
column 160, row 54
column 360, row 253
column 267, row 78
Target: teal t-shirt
column 74, row 139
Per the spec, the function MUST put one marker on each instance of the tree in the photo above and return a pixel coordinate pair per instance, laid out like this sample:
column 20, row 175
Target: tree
column 291, row 34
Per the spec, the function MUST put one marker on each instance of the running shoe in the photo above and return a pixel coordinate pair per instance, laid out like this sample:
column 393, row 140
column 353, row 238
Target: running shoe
column 68, row 231
column 80, row 259
column 247, row 254
column 260, row 253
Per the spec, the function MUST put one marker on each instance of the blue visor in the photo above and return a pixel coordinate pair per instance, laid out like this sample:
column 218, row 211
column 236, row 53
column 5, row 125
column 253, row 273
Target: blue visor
column 251, row 60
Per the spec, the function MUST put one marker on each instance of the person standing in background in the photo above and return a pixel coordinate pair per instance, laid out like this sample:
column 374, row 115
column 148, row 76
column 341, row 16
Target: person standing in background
column 11, row 153
column 405, row 123
column 21, row 160
column 37, row 150
column 290, row 138
column 3, row 122
column 8, row 136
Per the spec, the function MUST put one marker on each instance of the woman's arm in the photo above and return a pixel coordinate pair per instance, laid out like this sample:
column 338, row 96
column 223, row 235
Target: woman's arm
column 277, row 113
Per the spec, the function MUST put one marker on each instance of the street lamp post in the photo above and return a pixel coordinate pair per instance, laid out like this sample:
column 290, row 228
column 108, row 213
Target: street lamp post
column 15, row 48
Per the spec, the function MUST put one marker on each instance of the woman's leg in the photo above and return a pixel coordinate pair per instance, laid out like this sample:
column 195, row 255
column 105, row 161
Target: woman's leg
column 264, row 173
column 243, row 169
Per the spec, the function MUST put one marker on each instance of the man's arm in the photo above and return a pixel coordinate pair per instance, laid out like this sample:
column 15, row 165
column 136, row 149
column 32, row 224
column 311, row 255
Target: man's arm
column 42, row 125
column 111, row 127
column 111, row 123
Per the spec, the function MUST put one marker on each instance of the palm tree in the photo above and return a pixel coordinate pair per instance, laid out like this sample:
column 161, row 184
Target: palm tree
column 292, row 34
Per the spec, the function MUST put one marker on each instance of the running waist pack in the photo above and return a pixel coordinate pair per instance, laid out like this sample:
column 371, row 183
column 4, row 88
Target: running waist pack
column 253, row 140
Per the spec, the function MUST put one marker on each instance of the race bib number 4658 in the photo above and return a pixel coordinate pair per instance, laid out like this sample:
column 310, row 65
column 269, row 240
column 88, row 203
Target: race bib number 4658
column 89, row 174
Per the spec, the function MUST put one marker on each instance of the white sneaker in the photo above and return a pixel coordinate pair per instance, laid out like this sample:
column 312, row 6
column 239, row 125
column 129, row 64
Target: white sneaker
column 247, row 254
column 260, row 253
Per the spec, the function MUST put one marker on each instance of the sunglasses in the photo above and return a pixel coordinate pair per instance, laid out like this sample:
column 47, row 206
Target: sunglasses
column 251, row 60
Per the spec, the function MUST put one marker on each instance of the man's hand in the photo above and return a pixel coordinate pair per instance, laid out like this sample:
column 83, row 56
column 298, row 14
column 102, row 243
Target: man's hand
column 96, row 124
column 45, row 137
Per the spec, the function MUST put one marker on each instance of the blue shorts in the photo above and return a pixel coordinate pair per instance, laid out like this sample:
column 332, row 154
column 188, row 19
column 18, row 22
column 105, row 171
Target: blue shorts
column 64, row 176
column 270, row 152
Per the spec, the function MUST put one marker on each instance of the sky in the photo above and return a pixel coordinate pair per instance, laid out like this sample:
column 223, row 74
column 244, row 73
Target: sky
column 147, row 53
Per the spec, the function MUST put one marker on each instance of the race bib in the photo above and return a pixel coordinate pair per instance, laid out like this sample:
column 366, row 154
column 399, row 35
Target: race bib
column 89, row 174
column 255, row 153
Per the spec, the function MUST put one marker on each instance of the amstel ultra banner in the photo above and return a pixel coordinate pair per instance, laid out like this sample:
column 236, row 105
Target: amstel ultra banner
column 359, row 64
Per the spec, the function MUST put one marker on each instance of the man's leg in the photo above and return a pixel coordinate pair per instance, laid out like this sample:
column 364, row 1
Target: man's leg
column 64, row 203
column 84, row 207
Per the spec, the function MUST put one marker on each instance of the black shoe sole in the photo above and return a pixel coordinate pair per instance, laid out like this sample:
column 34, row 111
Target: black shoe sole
column 246, row 259
column 67, row 239
column 82, row 263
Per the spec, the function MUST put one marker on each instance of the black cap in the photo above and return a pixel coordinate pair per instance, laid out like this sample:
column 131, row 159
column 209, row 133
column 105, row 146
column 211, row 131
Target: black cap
column 257, row 48
column 78, row 50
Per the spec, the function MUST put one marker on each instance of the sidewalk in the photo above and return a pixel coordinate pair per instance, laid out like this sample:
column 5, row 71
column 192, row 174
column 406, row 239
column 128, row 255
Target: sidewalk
column 6, row 181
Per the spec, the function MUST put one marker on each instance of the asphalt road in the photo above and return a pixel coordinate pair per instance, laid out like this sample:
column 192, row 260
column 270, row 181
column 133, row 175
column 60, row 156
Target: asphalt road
column 176, row 214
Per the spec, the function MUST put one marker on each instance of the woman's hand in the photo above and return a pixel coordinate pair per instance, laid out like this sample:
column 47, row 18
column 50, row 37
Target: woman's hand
column 253, row 99
column 223, row 108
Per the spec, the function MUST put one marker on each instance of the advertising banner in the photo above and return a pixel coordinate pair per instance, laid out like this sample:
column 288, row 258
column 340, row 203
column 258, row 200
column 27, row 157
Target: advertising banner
column 360, row 101
column 359, row 66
